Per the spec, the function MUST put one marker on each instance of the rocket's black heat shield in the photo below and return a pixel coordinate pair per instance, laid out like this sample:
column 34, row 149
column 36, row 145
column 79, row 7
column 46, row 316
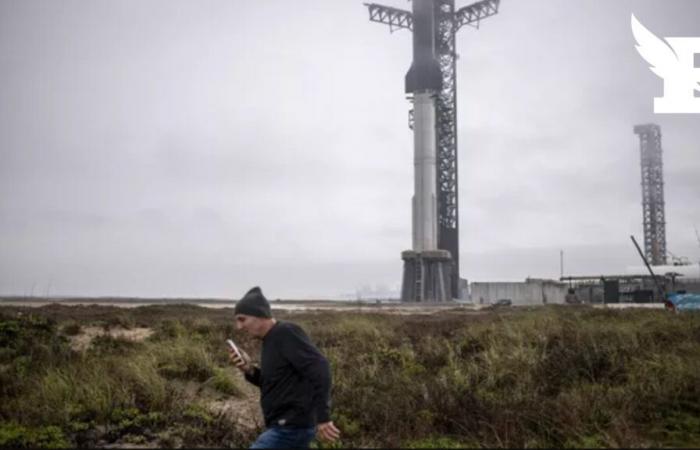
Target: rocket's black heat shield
column 424, row 73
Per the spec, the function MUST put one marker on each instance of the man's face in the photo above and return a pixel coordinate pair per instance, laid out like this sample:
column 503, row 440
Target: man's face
column 255, row 326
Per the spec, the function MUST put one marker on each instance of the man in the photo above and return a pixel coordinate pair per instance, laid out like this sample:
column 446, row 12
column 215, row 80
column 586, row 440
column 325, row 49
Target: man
column 294, row 377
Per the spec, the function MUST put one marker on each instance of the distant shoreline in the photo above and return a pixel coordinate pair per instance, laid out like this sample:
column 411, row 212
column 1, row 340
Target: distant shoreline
column 286, row 305
column 176, row 300
column 283, row 305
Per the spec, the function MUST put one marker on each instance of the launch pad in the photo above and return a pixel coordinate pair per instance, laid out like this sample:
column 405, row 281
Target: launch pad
column 426, row 276
column 431, row 268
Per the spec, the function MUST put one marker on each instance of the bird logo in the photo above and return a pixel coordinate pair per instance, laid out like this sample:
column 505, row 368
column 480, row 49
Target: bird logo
column 673, row 60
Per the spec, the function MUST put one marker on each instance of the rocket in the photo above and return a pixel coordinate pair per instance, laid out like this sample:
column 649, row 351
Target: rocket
column 424, row 81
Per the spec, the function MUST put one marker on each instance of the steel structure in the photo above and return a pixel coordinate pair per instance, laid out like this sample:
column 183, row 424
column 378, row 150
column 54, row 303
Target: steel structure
column 652, row 193
column 448, row 21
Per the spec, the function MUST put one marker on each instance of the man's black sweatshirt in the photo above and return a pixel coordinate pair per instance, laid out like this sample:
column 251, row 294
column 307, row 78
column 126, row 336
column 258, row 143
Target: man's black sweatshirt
column 294, row 379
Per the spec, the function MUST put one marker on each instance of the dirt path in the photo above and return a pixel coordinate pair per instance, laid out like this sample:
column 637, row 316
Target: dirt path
column 243, row 411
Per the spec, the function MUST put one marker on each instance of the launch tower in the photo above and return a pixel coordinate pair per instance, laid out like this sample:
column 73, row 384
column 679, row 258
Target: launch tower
column 436, row 25
column 652, row 193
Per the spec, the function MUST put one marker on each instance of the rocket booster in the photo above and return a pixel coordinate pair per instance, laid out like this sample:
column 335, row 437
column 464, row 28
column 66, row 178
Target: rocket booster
column 425, row 233
column 424, row 80
column 424, row 74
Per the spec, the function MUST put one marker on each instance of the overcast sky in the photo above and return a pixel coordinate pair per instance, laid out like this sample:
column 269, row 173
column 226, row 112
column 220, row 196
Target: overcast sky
column 198, row 148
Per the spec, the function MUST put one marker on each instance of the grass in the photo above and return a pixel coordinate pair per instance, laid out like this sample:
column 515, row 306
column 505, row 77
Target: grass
column 115, row 391
column 542, row 377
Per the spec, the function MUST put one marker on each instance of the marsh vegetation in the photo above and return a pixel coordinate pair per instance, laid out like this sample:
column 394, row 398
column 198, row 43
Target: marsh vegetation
column 541, row 377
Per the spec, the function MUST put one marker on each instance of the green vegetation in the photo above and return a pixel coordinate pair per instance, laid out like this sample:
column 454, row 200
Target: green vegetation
column 541, row 377
column 116, row 391
column 13, row 435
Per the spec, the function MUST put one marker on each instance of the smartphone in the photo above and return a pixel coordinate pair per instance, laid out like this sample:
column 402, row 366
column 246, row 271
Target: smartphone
column 234, row 348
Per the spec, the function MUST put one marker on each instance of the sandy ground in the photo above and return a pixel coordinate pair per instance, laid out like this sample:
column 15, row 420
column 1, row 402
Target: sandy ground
column 81, row 342
column 631, row 305
column 244, row 411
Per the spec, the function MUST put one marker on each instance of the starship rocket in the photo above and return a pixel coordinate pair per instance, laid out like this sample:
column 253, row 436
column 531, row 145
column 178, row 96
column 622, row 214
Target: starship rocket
column 424, row 81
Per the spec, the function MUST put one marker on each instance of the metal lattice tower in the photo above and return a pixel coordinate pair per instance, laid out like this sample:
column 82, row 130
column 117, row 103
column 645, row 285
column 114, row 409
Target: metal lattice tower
column 448, row 23
column 652, row 193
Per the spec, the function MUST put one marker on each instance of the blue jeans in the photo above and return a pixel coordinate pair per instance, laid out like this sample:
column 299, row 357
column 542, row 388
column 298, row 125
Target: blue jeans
column 285, row 437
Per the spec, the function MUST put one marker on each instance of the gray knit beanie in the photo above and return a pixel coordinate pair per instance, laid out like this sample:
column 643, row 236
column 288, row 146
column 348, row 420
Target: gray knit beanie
column 253, row 303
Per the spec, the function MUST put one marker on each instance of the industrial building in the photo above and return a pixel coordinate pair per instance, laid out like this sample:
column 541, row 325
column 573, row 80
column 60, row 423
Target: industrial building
column 651, row 282
column 655, row 280
column 530, row 292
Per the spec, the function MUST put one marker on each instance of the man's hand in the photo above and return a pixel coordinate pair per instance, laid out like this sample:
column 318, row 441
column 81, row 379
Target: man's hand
column 241, row 363
column 327, row 431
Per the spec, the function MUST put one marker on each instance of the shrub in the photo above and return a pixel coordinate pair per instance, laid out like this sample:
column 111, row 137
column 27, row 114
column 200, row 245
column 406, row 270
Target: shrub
column 224, row 382
column 169, row 329
column 184, row 359
column 17, row 436
column 105, row 344
column 72, row 329
column 123, row 319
